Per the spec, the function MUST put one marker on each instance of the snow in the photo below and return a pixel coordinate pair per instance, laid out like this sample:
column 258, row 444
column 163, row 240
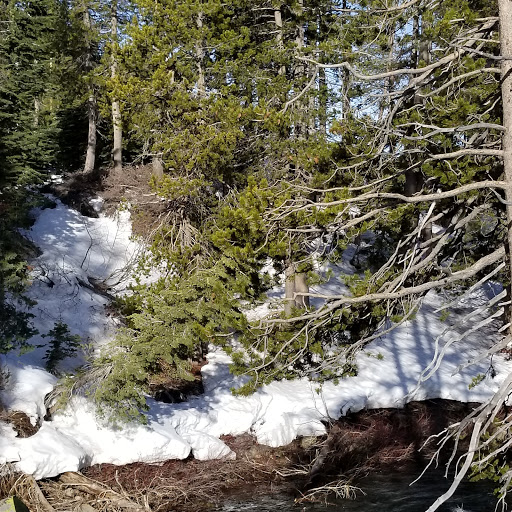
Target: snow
column 77, row 248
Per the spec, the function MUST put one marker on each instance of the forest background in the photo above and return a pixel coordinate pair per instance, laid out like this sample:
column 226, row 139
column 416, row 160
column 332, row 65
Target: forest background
column 277, row 134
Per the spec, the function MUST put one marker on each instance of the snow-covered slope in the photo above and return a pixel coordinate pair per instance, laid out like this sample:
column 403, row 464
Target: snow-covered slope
column 75, row 247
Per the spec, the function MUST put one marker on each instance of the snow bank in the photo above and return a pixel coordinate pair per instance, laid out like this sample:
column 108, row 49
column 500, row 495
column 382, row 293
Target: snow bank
column 76, row 249
column 389, row 370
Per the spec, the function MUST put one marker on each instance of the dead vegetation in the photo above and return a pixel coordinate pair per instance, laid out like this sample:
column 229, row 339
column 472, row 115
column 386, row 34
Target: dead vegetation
column 130, row 186
column 309, row 469
column 20, row 422
column 165, row 387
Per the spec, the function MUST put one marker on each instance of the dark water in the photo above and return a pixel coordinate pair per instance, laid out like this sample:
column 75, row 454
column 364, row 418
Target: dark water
column 388, row 492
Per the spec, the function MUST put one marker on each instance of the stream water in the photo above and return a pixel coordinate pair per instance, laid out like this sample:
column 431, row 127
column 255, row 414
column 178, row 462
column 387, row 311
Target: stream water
column 389, row 492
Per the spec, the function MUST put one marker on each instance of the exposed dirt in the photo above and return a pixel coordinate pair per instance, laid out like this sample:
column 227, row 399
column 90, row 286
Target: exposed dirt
column 77, row 189
column 130, row 186
column 20, row 422
column 165, row 387
column 355, row 446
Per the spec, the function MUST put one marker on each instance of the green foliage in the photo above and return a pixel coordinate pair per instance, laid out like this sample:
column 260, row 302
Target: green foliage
column 15, row 320
column 261, row 164
column 476, row 380
column 494, row 468
column 172, row 319
column 62, row 344
column 28, row 62
column 445, row 314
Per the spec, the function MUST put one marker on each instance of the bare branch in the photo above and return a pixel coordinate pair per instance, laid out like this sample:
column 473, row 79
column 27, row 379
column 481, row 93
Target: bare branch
column 426, row 70
column 343, row 300
column 479, row 185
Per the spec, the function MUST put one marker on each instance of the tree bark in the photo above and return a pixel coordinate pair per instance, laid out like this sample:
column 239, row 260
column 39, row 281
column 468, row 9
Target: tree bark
column 201, row 82
column 278, row 20
column 37, row 111
column 92, row 107
column 158, row 167
column 301, row 286
column 117, row 151
column 90, row 157
column 289, row 289
column 414, row 179
column 505, row 15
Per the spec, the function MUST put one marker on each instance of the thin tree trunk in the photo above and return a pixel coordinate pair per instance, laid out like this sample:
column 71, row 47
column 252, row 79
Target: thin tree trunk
column 505, row 14
column 302, row 125
column 158, row 167
column 289, row 289
column 90, row 157
column 301, row 286
column 414, row 179
column 322, row 101
column 117, row 151
column 278, row 20
column 37, row 111
column 201, row 82
column 344, row 77
column 92, row 107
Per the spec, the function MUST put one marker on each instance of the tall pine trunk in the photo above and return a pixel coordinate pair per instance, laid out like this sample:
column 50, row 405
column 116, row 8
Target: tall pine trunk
column 201, row 82
column 92, row 107
column 505, row 14
column 90, row 157
column 117, row 151
column 289, row 289
column 278, row 20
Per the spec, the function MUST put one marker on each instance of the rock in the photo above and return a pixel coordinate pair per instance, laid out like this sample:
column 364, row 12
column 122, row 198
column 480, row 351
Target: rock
column 13, row 504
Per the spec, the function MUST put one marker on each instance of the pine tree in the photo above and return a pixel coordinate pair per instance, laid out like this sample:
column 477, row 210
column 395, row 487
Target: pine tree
column 28, row 60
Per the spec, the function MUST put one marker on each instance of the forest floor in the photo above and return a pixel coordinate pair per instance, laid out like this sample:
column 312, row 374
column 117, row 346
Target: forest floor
column 355, row 446
column 315, row 430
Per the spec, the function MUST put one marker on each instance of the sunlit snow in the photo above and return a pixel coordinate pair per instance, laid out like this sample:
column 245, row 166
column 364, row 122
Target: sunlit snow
column 75, row 248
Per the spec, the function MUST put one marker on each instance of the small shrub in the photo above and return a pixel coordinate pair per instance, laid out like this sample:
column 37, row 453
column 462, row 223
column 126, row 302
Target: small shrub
column 62, row 344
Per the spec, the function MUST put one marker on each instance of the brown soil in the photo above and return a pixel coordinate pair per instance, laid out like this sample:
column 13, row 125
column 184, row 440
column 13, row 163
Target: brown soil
column 355, row 446
column 77, row 189
column 20, row 422
column 165, row 387
column 131, row 185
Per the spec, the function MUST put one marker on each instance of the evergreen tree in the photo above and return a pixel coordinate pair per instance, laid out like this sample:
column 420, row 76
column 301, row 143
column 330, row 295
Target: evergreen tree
column 28, row 62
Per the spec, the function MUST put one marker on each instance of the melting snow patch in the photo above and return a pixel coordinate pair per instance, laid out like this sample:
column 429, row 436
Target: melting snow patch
column 75, row 247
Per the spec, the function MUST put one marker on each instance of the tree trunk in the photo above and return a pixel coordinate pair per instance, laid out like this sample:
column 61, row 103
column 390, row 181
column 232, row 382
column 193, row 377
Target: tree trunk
column 117, row 151
column 37, row 111
column 201, row 82
column 289, row 289
column 412, row 182
column 303, row 107
column 505, row 14
column 90, row 157
column 301, row 286
column 158, row 167
column 92, row 107
column 322, row 101
column 414, row 179
column 345, row 79
column 278, row 20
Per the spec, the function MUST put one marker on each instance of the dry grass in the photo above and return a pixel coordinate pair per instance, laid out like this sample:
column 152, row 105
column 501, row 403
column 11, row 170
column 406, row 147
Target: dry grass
column 311, row 470
column 25, row 488
column 190, row 485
